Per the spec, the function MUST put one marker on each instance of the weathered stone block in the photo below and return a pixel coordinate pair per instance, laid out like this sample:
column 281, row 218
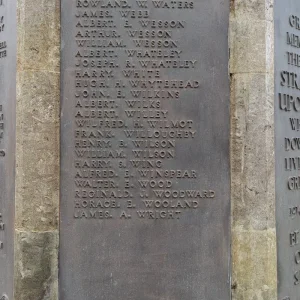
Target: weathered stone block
column 252, row 152
column 248, row 46
column 38, row 35
column 36, row 259
column 252, row 9
column 253, row 267
column 37, row 181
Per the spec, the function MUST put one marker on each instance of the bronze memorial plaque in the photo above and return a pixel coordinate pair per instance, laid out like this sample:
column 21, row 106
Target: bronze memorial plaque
column 287, row 146
column 144, row 150
column 8, row 37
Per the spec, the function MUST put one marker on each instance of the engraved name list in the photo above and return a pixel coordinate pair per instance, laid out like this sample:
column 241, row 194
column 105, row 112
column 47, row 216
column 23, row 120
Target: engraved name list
column 124, row 88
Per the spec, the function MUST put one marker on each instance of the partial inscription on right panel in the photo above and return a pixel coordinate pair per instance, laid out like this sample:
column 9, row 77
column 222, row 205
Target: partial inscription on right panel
column 287, row 146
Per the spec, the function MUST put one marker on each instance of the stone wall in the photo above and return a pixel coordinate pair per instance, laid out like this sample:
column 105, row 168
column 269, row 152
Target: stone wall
column 254, row 261
column 37, row 174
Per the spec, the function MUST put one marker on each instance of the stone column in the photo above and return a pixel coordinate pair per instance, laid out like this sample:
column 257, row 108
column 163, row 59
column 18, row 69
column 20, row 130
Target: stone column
column 37, row 161
column 254, row 262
